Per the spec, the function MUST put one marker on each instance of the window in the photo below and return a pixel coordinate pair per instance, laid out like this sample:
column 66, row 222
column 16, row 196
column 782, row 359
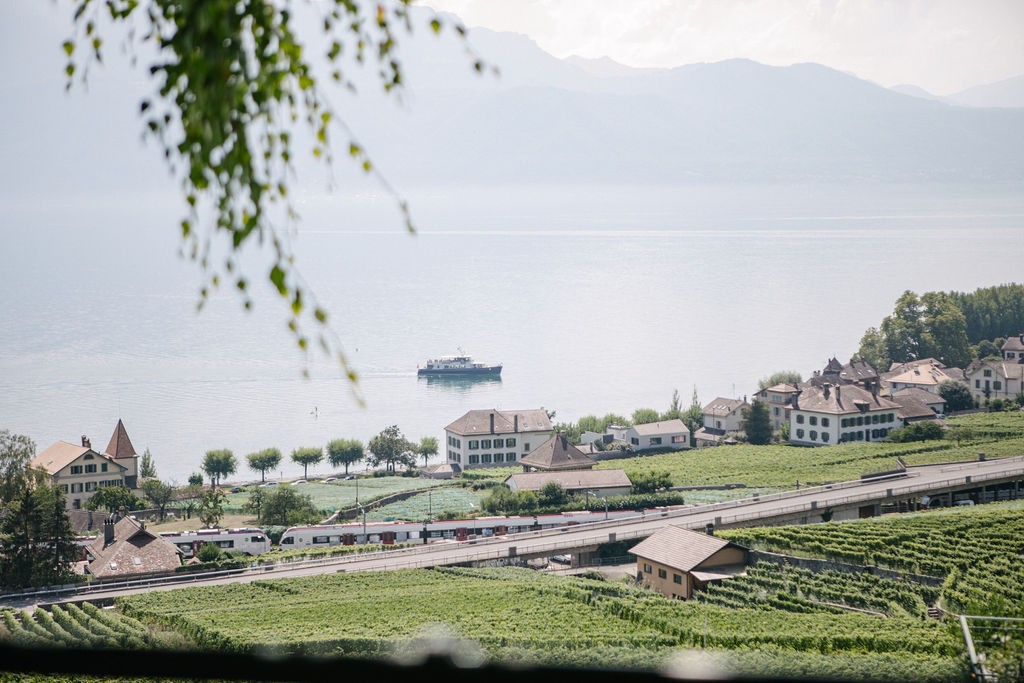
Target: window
column 799, row 433
column 718, row 424
column 678, row 438
column 526, row 447
column 662, row 574
column 321, row 539
column 89, row 469
column 499, row 443
column 988, row 373
column 677, row 578
column 103, row 467
column 656, row 440
column 76, row 488
column 824, row 422
column 90, row 486
column 474, row 459
column 824, row 436
column 510, row 457
column 255, row 539
column 813, row 420
column 474, row 445
column 87, row 456
column 799, row 419
column 647, row 568
column 77, row 504
column 775, row 411
column 486, row 443
column 977, row 384
column 814, row 435
column 499, row 457
column 510, row 442
column 635, row 441
column 231, row 544
column 486, row 457
column 874, row 419
column 997, row 385
column 76, row 469
column 64, row 488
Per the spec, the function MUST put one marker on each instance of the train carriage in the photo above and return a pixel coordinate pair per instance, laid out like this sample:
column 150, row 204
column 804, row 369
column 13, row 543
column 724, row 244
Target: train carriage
column 251, row 541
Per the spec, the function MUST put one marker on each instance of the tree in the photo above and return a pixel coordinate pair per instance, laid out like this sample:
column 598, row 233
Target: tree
column 189, row 496
column 264, row 460
column 112, row 499
column 757, row 423
column 218, row 464
column 427, row 447
column 903, row 330
column 945, row 331
column 675, row 408
column 159, row 495
column 232, row 81
column 650, row 482
column 782, row 377
column 645, row 416
column 208, row 552
column 874, row 351
column 307, row 457
column 255, row 503
column 552, row 494
column 917, row 431
column 957, row 394
column 345, row 452
column 195, row 479
column 989, row 349
column 389, row 448
column 37, row 543
column 147, row 468
column 16, row 452
column 287, row 507
column 694, row 415
column 211, row 507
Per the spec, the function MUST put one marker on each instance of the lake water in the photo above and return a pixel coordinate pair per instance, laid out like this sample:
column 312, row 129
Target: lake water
column 596, row 300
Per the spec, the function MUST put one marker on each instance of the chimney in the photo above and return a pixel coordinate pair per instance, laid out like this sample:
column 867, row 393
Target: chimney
column 108, row 531
column 85, row 441
column 825, row 388
column 838, row 394
column 515, row 422
column 492, row 423
column 564, row 439
column 121, row 512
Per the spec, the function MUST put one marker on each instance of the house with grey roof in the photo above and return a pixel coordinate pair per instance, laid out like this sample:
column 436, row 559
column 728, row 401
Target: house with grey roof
column 676, row 561
column 839, row 413
column 995, row 378
column 933, row 402
column 80, row 471
column 1013, row 348
column 495, row 438
column 925, row 373
column 779, row 397
column 601, row 483
column 664, row 435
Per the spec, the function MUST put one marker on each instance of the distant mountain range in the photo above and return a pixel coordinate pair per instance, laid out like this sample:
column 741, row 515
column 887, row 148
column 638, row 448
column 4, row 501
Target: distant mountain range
column 1005, row 93
column 542, row 120
column 575, row 120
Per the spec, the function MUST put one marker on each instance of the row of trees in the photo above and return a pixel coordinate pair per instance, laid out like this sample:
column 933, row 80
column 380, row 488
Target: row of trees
column 692, row 416
column 389, row 449
column 953, row 327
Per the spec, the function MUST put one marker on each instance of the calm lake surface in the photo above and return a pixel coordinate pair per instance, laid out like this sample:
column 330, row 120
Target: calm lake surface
column 596, row 300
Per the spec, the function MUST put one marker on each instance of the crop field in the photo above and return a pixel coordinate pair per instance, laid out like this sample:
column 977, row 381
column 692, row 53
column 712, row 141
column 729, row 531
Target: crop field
column 75, row 626
column 342, row 494
column 520, row 616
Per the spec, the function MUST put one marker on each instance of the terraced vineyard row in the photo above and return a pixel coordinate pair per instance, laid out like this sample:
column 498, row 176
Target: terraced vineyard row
column 74, row 626
column 769, row 585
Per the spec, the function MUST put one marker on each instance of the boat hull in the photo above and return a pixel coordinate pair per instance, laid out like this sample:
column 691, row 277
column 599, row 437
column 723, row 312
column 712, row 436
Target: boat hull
column 455, row 372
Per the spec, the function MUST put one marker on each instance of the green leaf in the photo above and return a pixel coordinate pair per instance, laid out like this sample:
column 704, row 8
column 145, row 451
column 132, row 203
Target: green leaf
column 69, row 47
column 277, row 277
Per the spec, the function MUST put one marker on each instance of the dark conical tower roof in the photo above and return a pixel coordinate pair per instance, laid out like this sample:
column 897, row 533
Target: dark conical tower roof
column 120, row 445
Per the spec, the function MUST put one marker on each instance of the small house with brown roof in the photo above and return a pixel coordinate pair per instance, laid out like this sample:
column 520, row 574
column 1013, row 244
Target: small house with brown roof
column 725, row 414
column 675, row 561
column 557, row 453
column 79, row 471
column 495, row 438
column 601, row 483
column 926, row 374
column 1013, row 348
column 127, row 548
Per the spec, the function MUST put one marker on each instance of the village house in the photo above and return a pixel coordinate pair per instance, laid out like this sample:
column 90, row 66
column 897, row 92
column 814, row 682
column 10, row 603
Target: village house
column 832, row 414
column 1013, row 348
column 779, row 399
column 598, row 483
column 934, row 402
column 926, row 374
column 721, row 416
column 664, row 435
column 855, row 372
column 995, row 378
column 126, row 549
column 489, row 438
column 79, row 471
column 675, row 561
column 556, row 453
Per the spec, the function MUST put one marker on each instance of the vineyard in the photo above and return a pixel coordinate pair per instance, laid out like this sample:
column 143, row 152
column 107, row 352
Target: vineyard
column 521, row 616
column 73, row 625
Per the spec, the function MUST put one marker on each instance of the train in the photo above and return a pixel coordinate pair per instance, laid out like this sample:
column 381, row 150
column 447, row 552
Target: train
column 248, row 540
column 391, row 532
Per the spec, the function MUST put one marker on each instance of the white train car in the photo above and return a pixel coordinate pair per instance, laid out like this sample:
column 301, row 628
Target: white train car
column 248, row 540
column 390, row 533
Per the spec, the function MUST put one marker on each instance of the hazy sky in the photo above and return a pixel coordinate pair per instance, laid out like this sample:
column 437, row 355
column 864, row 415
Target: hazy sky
column 943, row 46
